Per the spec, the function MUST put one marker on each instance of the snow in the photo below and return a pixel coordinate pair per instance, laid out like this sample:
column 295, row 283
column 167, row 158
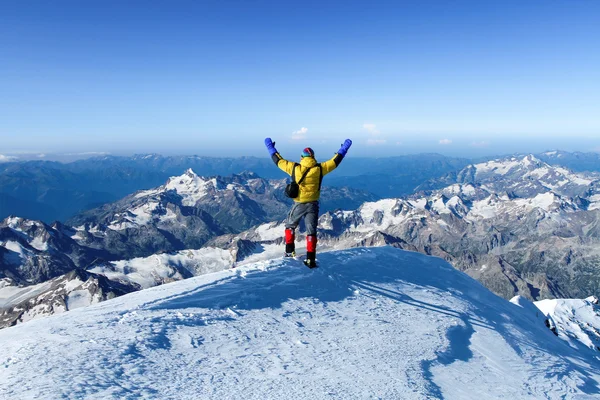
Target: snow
column 79, row 298
column 454, row 201
column 487, row 208
column 272, row 231
column 14, row 246
column 439, row 206
column 577, row 179
column 10, row 295
column 567, row 177
column 542, row 201
column 367, row 210
column 147, row 193
column 468, row 190
column 159, row 268
column 190, row 187
column 143, row 213
column 138, row 216
column 407, row 327
column 379, row 214
column 527, row 161
column 492, row 206
column 594, row 202
column 539, row 172
column 419, row 203
column 95, row 229
column 13, row 222
column 497, row 167
column 121, row 225
column 17, row 252
column 5, row 282
column 543, row 173
column 38, row 243
column 577, row 321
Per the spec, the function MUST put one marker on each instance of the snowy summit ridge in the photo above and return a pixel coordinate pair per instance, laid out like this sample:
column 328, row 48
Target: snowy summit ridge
column 378, row 322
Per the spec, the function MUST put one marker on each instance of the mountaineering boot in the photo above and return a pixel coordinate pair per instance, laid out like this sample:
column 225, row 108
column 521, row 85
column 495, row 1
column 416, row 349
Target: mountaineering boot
column 311, row 251
column 290, row 245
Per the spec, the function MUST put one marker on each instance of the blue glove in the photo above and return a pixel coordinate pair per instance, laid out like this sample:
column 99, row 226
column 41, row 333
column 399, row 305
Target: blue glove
column 270, row 146
column 344, row 149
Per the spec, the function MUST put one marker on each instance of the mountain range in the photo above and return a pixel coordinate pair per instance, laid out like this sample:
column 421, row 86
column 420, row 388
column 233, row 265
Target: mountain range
column 188, row 210
column 51, row 191
column 518, row 225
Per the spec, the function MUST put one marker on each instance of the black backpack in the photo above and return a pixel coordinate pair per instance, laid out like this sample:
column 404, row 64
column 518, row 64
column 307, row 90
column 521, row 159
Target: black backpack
column 292, row 190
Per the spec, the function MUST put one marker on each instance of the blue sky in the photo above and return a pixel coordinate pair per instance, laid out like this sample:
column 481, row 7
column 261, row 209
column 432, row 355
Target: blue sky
column 217, row 77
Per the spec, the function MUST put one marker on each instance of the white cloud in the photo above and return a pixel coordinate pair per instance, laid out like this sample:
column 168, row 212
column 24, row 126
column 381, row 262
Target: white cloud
column 371, row 128
column 374, row 138
column 445, row 142
column 376, row 142
column 300, row 134
column 4, row 158
column 480, row 144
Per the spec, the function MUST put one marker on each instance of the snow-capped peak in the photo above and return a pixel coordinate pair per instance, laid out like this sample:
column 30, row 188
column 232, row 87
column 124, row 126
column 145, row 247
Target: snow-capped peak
column 509, row 165
column 35, row 233
column 192, row 187
column 531, row 160
column 527, row 176
column 190, row 172
column 13, row 222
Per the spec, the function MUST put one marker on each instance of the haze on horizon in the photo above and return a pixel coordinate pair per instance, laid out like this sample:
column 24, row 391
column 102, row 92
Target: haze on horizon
column 465, row 78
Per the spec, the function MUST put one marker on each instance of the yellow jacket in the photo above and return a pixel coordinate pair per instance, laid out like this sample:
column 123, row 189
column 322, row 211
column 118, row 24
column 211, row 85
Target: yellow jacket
column 310, row 186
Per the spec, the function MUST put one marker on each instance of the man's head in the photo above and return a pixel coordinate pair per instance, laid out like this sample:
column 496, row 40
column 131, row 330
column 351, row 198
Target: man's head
column 308, row 152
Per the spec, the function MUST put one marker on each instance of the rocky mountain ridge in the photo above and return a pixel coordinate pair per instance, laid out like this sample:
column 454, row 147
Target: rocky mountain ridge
column 188, row 210
column 519, row 226
column 536, row 235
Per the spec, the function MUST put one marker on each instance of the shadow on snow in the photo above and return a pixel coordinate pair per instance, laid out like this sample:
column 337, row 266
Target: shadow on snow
column 384, row 271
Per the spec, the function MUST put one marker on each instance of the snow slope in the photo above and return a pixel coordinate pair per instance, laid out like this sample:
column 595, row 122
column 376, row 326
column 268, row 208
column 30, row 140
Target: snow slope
column 577, row 321
column 370, row 323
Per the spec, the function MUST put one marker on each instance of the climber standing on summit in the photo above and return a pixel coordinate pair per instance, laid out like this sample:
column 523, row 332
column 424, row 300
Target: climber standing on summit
column 305, row 189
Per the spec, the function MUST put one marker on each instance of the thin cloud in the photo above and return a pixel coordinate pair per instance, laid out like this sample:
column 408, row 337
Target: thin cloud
column 371, row 128
column 88, row 153
column 4, row 158
column 480, row 144
column 374, row 138
column 300, row 134
column 445, row 142
column 376, row 142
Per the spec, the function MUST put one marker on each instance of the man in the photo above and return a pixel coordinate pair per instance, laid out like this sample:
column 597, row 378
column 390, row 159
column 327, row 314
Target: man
column 308, row 174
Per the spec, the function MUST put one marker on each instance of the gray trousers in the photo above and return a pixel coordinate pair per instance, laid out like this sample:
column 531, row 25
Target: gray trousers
column 308, row 211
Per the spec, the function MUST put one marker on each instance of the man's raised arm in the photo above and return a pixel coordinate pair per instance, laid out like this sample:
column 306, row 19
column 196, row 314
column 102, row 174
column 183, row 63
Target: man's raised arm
column 332, row 164
column 283, row 164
